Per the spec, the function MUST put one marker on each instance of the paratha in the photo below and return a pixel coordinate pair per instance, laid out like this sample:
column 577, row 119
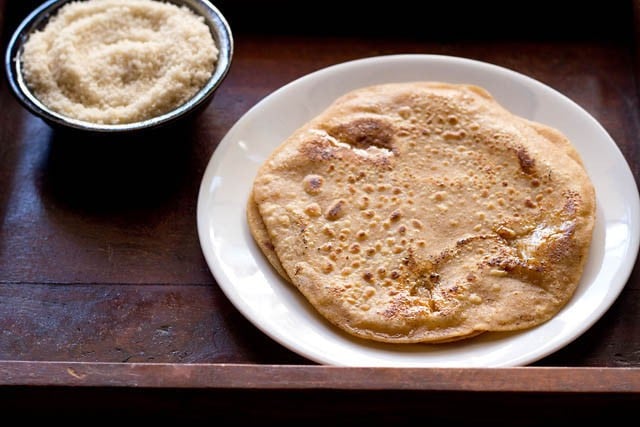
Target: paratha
column 261, row 236
column 425, row 212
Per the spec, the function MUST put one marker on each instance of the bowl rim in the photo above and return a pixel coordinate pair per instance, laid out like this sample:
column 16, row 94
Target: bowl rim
column 215, row 20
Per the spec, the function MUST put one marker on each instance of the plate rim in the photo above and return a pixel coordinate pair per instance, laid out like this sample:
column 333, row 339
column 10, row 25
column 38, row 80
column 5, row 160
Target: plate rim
column 624, row 267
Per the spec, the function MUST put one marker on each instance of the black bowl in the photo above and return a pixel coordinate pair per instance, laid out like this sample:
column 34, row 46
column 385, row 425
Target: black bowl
column 37, row 19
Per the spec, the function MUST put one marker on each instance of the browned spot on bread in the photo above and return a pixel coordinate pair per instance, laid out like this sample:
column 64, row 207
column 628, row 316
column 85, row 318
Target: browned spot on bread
column 527, row 163
column 364, row 133
column 505, row 232
column 527, row 271
column 313, row 183
column 318, row 150
column 336, row 210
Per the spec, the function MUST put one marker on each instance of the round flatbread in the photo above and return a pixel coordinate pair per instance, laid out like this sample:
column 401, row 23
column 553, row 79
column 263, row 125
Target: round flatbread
column 425, row 212
column 261, row 236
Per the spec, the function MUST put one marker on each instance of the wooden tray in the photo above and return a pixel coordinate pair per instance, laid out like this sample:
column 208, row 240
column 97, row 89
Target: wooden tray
column 106, row 302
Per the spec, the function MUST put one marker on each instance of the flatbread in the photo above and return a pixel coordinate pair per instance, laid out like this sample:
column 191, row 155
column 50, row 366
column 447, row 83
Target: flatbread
column 261, row 236
column 425, row 212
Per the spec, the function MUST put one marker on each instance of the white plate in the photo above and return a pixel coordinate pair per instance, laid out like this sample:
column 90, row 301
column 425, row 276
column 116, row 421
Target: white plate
column 281, row 312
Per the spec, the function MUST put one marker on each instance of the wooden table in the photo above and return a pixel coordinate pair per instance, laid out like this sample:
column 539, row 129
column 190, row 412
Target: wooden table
column 107, row 304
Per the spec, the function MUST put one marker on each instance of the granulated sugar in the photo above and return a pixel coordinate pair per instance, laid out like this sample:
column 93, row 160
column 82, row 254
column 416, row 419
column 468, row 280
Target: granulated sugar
column 119, row 61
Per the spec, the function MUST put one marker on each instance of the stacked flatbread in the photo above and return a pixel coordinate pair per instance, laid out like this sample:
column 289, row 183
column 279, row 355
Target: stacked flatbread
column 425, row 212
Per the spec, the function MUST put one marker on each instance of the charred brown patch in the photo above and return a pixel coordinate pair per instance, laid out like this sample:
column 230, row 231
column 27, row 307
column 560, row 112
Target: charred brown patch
column 508, row 264
column 364, row 133
column 530, row 272
column 380, row 162
column 393, row 309
column 336, row 210
column 527, row 163
column 313, row 184
column 318, row 150
column 459, row 243
column 395, row 215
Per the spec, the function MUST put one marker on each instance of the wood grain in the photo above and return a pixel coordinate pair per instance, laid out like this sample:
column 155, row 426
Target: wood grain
column 292, row 377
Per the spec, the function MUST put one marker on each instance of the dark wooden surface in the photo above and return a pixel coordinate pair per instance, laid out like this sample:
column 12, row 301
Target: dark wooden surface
column 106, row 301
